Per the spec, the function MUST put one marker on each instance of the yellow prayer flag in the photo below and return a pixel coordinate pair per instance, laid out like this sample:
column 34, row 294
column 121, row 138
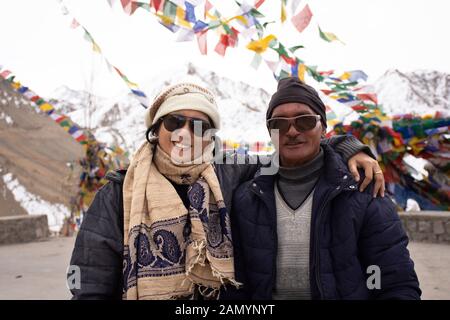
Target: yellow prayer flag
column 329, row 36
column 333, row 122
column 345, row 76
column 212, row 17
column 131, row 84
column 242, row 19
column 164, row 19
column 334, row 97
column 301, row 72
column 180, row 15
column 96, row 48
column 261, row 45
column 283, row 12
column 45, row 107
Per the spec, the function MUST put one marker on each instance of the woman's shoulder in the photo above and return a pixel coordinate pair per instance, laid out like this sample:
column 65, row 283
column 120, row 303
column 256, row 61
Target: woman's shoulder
column 108, row 200
column 116, row 176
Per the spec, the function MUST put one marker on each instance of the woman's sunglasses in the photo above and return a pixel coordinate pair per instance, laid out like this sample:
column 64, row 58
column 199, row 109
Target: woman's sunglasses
column 173, row 122
column 301, row 123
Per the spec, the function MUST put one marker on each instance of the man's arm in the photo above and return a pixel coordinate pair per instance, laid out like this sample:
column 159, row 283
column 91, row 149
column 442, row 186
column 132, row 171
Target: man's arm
column 383, row 243
column 358, row 155
column 347, row 146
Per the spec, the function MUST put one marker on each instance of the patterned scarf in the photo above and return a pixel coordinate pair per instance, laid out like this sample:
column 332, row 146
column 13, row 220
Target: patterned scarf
column 168, row 250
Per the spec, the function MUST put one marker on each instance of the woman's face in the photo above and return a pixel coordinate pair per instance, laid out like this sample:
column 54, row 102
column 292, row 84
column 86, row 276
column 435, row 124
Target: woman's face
column 181, row 144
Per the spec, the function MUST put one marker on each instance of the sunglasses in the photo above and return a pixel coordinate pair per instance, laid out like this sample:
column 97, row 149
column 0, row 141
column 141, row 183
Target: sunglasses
column 173, row 122
column 301, row 123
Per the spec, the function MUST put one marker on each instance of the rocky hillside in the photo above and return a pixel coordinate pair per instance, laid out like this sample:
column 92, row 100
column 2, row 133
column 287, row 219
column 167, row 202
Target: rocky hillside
column 34, row 156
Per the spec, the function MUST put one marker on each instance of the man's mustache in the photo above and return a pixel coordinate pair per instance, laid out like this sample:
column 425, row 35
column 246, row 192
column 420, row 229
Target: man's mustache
column 294, row 140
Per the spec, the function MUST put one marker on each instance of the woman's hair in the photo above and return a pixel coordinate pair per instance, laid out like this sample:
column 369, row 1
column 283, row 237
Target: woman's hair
column 152, row 133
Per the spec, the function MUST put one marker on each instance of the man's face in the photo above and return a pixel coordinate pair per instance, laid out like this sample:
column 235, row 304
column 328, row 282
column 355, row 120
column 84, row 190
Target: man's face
column 297, row 147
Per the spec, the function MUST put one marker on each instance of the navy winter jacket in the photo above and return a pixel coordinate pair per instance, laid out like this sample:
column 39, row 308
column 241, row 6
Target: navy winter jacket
column 350, row 231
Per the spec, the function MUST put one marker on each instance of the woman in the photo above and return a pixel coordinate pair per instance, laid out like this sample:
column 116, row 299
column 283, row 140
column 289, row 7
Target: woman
column 162, row 226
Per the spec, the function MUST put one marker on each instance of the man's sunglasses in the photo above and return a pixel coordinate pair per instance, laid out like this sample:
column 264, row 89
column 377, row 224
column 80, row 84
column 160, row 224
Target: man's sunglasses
column 301, row 123
column 173, row 122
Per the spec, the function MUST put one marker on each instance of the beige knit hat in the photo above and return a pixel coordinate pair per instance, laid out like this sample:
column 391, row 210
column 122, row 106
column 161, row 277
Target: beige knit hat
column 183, row 96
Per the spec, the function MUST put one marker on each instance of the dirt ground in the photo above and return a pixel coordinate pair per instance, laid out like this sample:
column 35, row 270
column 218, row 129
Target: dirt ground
column 37, row 270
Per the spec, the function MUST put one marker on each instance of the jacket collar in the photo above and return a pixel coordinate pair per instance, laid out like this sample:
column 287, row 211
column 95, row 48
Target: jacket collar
column 335, row 174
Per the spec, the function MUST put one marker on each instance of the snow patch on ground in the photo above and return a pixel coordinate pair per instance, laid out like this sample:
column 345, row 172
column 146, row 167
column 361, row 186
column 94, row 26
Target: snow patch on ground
column 36, row 205
column 8, row 119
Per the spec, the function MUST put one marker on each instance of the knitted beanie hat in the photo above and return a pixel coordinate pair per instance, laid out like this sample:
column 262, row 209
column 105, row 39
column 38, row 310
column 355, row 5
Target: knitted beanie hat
column 292, row 89
column 183, row 96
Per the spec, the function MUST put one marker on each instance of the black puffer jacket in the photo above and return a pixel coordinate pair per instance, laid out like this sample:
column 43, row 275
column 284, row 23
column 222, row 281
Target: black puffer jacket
column 99, row 245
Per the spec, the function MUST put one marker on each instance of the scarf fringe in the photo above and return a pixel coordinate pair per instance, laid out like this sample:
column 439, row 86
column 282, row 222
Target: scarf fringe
column 225, row 280
column 200, row 247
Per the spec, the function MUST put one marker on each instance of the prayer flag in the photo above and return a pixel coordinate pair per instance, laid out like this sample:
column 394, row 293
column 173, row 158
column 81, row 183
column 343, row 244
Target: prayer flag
column 302, row 19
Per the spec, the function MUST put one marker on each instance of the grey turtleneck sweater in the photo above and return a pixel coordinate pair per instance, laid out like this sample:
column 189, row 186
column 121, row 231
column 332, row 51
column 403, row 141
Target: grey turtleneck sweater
column 296, row 183
column 294, row 193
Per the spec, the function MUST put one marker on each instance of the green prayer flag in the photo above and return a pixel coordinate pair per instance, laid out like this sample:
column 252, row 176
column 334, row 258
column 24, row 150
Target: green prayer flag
column 170, row 9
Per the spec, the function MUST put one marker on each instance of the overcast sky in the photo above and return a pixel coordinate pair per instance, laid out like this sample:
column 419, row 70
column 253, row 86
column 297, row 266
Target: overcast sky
column 45, row 53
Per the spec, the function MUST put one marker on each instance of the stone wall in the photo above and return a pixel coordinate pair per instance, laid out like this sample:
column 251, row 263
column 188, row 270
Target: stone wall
column 23, row 228
column 427, row 226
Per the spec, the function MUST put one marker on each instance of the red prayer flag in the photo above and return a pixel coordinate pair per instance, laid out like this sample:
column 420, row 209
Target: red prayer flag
column 222, row 45
column 258, row 3
column 81, row 138
column 125, row 3
column 208, row 6
column 201, row 40
column 302, row 19
column 74, row 24
column 5, row 74
column 289, row 60
column 129, row 6
column 368, row 96
column 326, row 73
column 157, row 4
column 359, row 108
column 327, row 92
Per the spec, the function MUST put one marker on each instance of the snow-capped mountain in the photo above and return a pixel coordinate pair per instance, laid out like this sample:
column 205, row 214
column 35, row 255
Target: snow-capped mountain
column 421, row 92
column 116, row 121
column 121, row 120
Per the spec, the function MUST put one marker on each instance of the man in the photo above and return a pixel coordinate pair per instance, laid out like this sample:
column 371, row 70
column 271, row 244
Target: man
column 306, row 232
